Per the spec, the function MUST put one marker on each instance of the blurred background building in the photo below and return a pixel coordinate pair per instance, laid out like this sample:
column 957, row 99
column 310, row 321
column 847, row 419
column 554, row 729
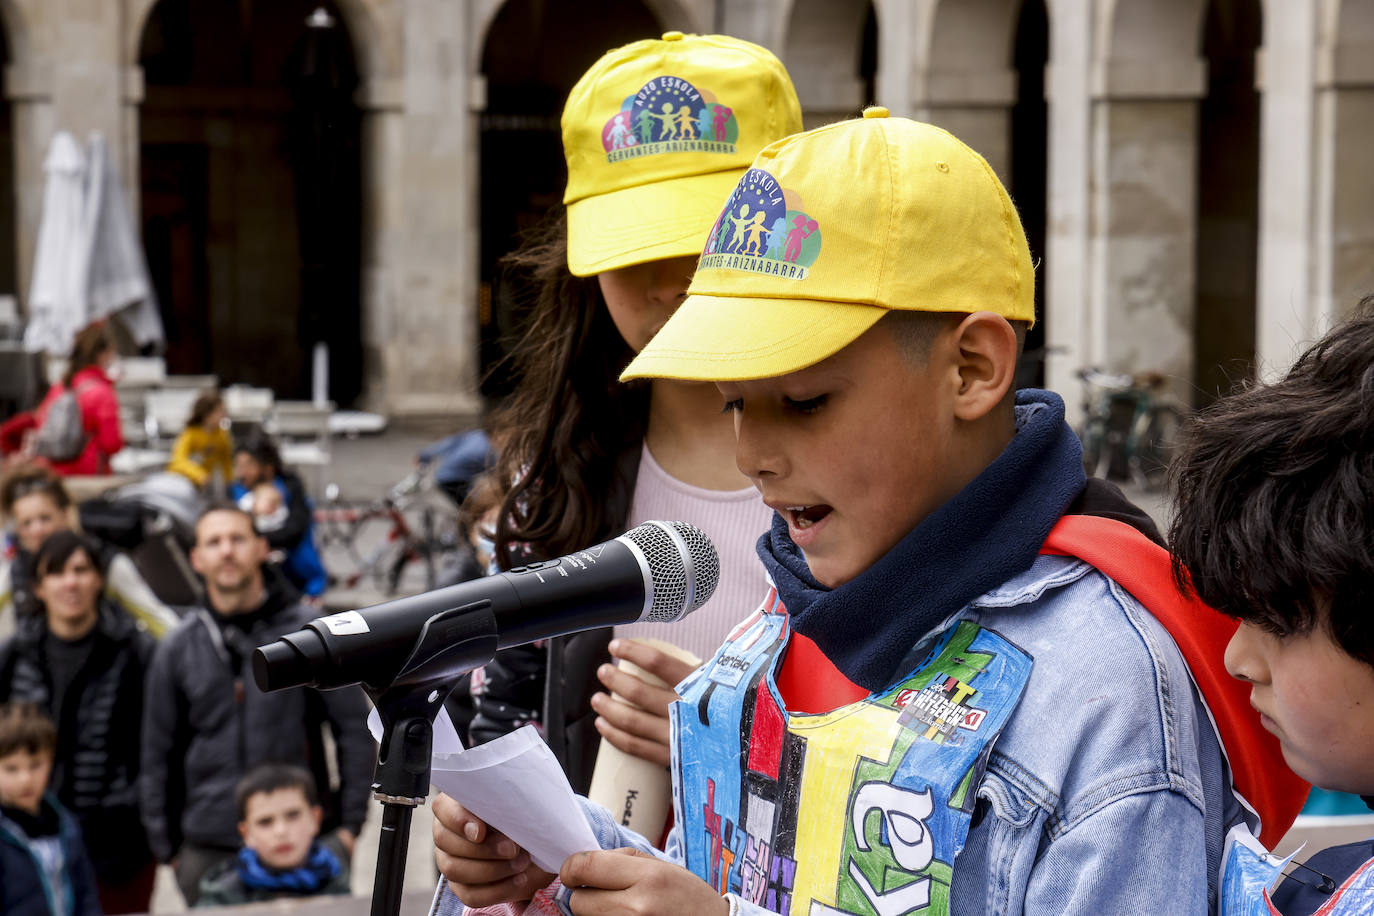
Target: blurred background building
column 1195, row 176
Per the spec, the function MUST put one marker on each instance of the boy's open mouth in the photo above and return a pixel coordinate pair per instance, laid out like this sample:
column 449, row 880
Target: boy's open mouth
column 803, row 517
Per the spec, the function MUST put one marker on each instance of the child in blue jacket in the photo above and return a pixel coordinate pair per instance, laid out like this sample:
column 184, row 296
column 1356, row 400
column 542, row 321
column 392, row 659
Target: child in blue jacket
column 44, row 868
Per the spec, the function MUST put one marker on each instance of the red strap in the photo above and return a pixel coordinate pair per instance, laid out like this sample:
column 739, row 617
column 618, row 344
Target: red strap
column 1143, row 568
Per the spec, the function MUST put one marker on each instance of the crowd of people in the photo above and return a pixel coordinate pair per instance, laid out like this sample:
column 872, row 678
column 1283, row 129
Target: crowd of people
column 131, row 731
column 978, row 681
column 153, row 739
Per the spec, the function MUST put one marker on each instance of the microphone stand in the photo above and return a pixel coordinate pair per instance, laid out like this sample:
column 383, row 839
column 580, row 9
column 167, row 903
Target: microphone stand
column 407, row 707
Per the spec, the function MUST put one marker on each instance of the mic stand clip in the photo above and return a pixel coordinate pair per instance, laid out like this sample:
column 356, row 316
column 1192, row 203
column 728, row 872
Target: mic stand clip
column 450, row 644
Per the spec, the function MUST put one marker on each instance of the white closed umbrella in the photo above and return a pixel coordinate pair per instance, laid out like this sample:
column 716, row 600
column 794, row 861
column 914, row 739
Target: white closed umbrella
column 89, row 262
column 57, row 295
column 118, row 283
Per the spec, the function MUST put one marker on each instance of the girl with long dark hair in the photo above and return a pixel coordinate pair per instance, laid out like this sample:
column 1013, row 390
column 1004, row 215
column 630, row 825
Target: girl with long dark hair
column 656, row 136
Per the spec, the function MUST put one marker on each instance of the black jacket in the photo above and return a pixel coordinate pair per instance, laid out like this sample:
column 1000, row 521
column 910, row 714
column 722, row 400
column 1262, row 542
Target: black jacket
column 96, row 768
column 23, row 888
column 206, row 724
column 552, row 682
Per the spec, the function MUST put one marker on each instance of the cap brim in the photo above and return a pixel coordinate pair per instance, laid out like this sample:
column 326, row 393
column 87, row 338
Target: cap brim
column 648, row 222
column 727, row 339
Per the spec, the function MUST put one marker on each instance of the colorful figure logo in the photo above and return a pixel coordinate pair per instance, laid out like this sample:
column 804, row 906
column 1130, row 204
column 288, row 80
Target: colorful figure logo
column 669, row 115
column 763, row 229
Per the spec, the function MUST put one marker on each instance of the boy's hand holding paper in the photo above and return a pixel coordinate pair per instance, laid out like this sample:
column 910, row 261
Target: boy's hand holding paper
column 514, row 784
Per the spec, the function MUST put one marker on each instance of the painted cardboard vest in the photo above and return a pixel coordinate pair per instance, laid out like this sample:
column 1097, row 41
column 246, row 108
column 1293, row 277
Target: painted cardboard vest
column 859, row 810
column 1249, row 873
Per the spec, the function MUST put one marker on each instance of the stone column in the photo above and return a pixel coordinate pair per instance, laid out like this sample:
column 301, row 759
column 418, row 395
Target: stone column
column 1344, row 229
column 420, row 330
column 897, row 43
column 89, row 80
column 1285, row 71
column 1071, row 319
column 382, row 106
column 125, row 146
column 1144, row 206
column 28, row 87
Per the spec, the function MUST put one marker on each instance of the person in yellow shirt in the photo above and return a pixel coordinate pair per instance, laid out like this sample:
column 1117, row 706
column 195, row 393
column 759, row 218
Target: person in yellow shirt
column 205, row 445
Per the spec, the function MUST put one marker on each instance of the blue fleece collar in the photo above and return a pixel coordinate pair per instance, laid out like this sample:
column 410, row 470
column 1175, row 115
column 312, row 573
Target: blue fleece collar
column 990, row 531
column 320, row 867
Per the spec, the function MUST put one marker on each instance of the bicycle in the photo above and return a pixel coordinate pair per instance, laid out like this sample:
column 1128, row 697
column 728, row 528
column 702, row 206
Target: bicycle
column 1129, row 431
column 379, row 540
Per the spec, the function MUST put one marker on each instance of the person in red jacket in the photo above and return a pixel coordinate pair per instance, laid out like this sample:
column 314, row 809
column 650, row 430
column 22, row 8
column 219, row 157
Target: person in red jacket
column 93, row 351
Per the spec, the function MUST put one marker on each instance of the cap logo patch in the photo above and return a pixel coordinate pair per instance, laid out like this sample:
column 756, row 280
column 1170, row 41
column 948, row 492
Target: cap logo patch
column 763, row 229
column 669, row 115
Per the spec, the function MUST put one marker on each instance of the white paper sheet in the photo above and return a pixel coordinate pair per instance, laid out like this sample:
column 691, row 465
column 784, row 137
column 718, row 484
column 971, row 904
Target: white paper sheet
column 515, row 785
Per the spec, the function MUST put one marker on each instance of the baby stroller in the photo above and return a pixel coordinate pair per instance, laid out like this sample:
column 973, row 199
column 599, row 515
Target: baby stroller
column 154, row 521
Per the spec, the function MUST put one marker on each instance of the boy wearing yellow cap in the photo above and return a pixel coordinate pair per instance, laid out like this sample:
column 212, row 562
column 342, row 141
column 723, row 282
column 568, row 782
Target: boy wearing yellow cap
column 939, row 707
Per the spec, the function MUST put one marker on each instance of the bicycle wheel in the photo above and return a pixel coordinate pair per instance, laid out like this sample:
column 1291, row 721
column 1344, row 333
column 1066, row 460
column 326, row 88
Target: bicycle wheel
column 362, row 546
column 1155, row 447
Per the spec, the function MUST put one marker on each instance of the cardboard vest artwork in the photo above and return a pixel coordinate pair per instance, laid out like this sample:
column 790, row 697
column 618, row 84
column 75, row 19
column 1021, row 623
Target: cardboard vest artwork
column 1249, row 874
column 860, row 810
column 62, row 436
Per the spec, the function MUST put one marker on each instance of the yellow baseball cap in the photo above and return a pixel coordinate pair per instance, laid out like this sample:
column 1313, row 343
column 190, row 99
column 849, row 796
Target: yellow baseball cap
column 827, row 232
column 656, row 134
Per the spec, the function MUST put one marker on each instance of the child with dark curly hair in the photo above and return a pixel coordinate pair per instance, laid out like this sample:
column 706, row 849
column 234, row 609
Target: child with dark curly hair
column 1274, row 524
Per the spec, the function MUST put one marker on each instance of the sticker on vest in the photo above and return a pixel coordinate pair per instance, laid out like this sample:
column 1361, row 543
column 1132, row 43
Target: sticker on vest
column 859, row 811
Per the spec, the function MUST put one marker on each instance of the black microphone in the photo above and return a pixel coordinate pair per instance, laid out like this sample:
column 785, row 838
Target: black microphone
column 659, row 571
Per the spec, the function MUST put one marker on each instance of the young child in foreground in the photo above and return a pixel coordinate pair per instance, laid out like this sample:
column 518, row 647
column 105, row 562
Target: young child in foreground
column 1274, row 523
column 282, row 856
column 837, row 754
column 44, row 868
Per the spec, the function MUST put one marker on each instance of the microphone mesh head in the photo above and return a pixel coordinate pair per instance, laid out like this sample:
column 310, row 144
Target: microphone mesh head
column 684, row 566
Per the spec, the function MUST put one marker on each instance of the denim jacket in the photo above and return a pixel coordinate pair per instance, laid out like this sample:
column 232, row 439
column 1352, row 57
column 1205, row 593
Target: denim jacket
column 1106, row 792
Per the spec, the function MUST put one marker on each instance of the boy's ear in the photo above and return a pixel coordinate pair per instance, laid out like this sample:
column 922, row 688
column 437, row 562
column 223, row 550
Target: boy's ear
column 243, row 831
column 986, row 348
column 318, row 814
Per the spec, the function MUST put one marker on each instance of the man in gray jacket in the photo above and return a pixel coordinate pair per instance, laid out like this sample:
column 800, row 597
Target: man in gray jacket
column 206, row 723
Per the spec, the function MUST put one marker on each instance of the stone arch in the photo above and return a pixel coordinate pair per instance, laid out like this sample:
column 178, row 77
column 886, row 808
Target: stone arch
column 981, row 31
column 250, row 186
column 965, row 79
column 1152, row 31
column 672, row 14
column 376, row 38
column 823, row 47
column 530, row 56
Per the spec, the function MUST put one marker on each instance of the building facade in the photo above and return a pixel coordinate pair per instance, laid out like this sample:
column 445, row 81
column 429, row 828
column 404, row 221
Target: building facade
column 1195, row 175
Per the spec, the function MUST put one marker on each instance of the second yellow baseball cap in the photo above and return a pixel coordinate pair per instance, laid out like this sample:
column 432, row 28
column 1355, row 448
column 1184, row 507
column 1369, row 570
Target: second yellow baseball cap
column 827, row 232
column 656, row 134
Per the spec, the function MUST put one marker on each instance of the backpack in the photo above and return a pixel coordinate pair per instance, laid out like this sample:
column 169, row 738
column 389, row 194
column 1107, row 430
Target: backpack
column 62, row 435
